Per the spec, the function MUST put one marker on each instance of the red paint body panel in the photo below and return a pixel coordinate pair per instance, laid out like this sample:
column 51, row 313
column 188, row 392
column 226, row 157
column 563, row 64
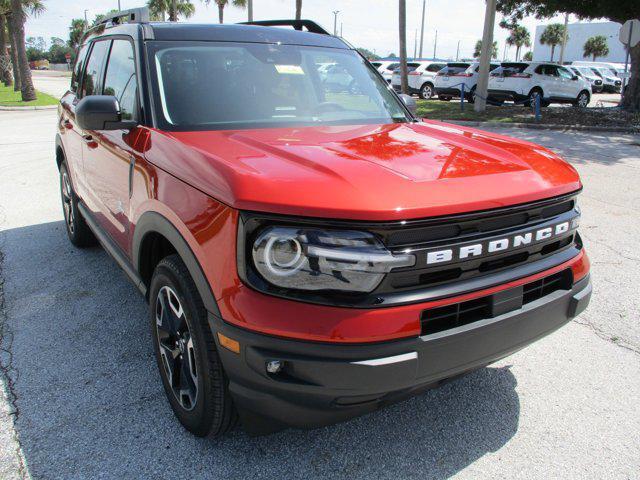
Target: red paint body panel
column 370, row 172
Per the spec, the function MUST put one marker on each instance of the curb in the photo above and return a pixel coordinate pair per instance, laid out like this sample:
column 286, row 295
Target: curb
column 549, row 126
column 28, row 108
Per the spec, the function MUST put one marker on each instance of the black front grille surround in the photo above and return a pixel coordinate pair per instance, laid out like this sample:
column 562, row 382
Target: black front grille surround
column 421, row 283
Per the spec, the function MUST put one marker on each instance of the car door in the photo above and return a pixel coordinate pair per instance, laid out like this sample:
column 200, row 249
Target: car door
column 570, row 87
column 69, row 131
column 111, row 154
column 551, row 83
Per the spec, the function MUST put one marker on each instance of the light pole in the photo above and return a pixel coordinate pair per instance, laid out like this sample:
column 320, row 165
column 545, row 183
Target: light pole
column 435, row 44
column 86, row 22
column 119, row 8
column 335, row 22
column 424, row 6
column 458, row 51
column 564, row 38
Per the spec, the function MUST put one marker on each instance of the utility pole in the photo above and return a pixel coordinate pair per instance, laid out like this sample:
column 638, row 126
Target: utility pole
column 86, row 22
column 250, row 10
column 341, row 29
column 335, row 22
column 564, row 38
column 415, row 45
column 485, row 56
column 504, row 55
column 458, row 51
column 435, row 44
column 424, row 6
column 119, row 8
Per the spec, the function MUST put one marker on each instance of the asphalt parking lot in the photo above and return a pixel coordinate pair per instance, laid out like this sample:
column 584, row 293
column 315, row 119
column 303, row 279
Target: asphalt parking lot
column 82, row 397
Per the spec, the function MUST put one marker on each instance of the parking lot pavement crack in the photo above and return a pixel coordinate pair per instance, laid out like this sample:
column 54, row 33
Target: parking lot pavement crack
column 8, row 373
column 618, row 341
column 609, row 247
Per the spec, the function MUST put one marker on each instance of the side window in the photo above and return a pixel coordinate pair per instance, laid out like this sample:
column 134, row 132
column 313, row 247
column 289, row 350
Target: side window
column 435, row 67
column 120, row 80
column 540, row 70
column 551, row 70
column 564, row 73
column 93, row 71
column 77, row 68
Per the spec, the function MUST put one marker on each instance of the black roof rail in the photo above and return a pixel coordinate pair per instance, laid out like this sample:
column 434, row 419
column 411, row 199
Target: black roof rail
column 310, row 25
column 134, row 15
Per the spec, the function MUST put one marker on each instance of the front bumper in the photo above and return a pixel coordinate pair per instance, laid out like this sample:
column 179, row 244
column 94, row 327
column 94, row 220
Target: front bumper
column 322, row 384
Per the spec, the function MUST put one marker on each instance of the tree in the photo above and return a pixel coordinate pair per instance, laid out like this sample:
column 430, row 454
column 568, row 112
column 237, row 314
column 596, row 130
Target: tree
column 619, row 11
column 368, row 54
column 595, row 47
column 223, row 3
column 553, row 35
column 298, row 9
column 520, row 37
column 5, row 59
column 158, row 9
column 402, row 31
column 18, row 19
column 477, row 50
column 528, row 57
column 99, row 17
column 76, row 31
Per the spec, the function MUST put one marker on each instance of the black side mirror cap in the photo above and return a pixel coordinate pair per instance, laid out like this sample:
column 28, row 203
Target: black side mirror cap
column 101, row 112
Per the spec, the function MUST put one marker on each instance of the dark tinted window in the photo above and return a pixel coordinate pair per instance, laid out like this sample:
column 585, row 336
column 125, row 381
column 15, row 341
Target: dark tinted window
column 435, row 67
column 453, row 68
column 376, row 64
column 410, row 67
column 93, row 71
column 120, row 79
column 77, row 68
column 508, row 69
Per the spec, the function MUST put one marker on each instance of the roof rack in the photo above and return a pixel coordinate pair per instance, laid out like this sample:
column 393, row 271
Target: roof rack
column 134, row 15
column 310, row 25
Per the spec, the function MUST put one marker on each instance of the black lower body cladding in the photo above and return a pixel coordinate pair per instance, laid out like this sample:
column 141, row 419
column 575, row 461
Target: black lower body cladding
column 321, row 384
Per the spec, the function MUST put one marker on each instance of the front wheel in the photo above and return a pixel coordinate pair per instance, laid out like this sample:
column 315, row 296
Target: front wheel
column 582, row 101
column 426, row 91
column 191, row 371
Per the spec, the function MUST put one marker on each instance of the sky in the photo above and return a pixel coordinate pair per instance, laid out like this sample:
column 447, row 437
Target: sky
column 370, row 24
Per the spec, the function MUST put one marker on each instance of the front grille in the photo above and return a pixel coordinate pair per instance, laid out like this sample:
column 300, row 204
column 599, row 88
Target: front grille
column 440, row 319
column 461, row 230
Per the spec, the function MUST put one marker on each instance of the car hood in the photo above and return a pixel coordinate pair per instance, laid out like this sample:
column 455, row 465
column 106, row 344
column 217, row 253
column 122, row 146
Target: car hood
column 363, row 172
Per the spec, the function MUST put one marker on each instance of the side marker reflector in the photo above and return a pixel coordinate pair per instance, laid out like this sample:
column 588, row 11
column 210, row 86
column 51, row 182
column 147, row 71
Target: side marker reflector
column 229, row 343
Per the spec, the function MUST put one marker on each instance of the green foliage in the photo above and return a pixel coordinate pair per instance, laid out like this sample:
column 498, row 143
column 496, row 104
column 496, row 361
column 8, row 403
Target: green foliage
column 528, row 57
column 518, row 36
column 618, row 11
column 477, row 50
column 368, row 54
column 595, row 47
column 162, row 10
column 553, row 35
column 76, row 30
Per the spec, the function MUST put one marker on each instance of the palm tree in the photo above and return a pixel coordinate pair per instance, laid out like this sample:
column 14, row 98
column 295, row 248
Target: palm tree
column 595, row 47
column 19, row 9
column 298, row 9
column 158, row 9
column 553, row 35
column 519, row 36
column 402, row 30
column 5, row 59
column 223, row 3
column 76, row 31
column 478, row 49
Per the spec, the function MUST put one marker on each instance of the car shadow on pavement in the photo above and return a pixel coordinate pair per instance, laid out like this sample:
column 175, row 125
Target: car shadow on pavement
column 91, row 403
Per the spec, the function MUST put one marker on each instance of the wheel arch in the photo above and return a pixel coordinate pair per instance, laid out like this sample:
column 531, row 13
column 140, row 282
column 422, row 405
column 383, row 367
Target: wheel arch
column 536, row 88
column 154, row 238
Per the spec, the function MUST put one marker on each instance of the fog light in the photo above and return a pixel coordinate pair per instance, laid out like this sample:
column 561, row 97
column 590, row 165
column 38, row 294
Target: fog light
column 274, row 366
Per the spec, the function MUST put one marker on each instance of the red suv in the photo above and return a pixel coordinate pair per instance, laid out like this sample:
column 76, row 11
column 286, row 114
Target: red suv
column 309, row 253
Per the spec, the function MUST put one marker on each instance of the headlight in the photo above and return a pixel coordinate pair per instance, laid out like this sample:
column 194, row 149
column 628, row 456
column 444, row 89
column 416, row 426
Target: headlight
column 314, row 259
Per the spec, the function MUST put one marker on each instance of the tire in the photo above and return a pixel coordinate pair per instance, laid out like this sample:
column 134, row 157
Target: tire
column 444, row 98
column 426, row 91
column 77, row 229
column 197, row 389
column 532, row 97
column 582, row 100
column 471, row 96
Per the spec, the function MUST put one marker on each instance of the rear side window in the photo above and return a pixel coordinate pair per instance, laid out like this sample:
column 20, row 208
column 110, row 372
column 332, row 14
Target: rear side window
column 93, row 71
column 509, row 69
column 393, row 66
column 120, row 79
column 77, row 68
column 435, row 67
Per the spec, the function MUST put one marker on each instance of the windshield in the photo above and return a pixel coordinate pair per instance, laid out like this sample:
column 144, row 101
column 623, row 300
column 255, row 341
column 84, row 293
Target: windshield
column 216, row 85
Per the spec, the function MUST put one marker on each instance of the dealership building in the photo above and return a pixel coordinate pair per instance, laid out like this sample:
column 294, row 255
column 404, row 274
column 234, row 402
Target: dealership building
column 579, row 33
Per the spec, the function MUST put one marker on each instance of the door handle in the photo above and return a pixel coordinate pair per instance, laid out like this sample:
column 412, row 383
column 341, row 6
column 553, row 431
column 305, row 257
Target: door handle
column 91, row 143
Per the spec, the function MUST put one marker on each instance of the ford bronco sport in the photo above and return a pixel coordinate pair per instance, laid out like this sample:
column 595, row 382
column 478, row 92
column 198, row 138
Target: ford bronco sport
column 309, row 253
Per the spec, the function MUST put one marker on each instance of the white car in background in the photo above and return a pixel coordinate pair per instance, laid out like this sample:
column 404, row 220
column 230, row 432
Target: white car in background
column 610, row 82
column 449, row 80
column 523, row 81
column 386, row 68
column 587, row 73
column 421, row 76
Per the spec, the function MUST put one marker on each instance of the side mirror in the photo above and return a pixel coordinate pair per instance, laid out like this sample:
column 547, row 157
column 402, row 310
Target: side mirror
column 101, row 112
column 575, row 77
column 410, row 102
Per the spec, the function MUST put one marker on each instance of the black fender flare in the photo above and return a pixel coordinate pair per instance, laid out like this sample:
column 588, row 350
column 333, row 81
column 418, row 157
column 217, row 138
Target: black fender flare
column 153, row 222
column 59, row 145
